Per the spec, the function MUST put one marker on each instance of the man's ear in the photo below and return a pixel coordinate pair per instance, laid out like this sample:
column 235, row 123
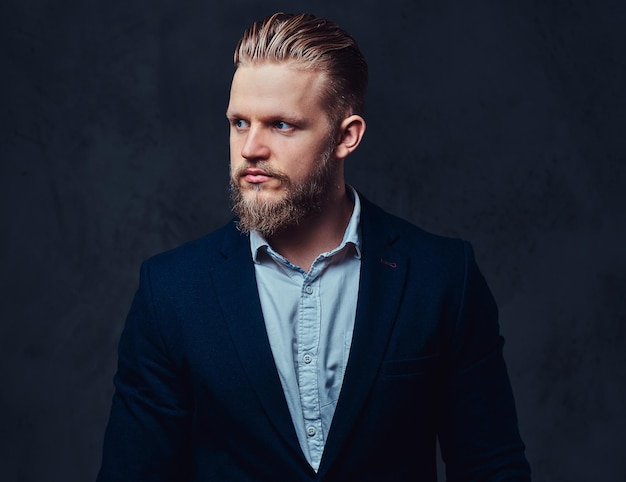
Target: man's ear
column 350, row 134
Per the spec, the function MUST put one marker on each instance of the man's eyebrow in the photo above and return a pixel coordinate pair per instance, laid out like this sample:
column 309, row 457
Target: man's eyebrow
column 291, row 119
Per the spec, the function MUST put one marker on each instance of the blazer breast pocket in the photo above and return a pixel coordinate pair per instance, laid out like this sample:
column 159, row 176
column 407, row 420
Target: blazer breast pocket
column 422, row 367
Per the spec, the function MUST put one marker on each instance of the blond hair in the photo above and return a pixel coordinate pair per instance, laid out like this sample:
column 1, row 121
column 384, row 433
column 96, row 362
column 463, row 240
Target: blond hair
column 311, row 43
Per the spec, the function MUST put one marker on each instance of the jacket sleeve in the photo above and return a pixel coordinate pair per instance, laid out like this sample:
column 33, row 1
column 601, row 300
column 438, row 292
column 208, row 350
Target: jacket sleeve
column 148, row 433
column 478, row 431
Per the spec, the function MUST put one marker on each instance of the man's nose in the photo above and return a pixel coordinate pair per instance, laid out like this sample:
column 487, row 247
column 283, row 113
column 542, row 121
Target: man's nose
column 255, row 145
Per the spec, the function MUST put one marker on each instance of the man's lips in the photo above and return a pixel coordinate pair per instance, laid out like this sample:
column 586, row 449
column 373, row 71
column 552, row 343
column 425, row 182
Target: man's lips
column 255, row 176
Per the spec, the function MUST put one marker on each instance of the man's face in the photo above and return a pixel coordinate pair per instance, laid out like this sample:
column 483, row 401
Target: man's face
column 281, row 146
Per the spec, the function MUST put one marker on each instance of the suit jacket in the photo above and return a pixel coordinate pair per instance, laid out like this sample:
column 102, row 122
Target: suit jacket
column 198, row 396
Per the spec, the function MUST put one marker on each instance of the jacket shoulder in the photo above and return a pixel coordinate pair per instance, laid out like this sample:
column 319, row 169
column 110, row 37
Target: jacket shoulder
column 204, row 251
column 403, row 235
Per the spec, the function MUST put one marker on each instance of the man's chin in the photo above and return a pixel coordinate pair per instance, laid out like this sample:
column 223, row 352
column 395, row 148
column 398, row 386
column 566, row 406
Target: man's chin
column 268, row 215
column 257, row 194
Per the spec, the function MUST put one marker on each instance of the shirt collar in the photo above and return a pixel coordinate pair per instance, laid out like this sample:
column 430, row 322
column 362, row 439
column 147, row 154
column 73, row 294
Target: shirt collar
column 351, row 236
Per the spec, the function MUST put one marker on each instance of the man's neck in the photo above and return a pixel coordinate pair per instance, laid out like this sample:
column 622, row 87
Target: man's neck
column 319, row 233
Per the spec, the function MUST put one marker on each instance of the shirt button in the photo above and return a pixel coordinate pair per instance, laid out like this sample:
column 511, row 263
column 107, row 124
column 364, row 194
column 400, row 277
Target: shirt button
column 307, row 358
column 310, row 431
column 308, row 290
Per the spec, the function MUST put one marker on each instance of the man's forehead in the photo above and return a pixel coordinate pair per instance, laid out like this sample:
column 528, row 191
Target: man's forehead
column 275, row 85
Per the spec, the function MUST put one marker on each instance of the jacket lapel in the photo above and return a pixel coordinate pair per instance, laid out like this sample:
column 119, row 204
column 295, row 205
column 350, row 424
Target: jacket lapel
column 235, row 285
column 383, row 275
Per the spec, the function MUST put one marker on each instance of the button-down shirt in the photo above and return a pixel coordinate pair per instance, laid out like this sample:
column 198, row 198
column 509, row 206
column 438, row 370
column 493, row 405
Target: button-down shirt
column 309, row 319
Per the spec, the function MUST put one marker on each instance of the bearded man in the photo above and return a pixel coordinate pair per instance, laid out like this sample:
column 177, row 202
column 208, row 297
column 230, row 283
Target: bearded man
column 315, row 337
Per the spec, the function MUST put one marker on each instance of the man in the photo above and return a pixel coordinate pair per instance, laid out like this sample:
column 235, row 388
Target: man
column 315, row 337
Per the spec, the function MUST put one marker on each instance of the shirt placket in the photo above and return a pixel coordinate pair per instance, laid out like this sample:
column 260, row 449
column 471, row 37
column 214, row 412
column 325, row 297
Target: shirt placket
column 307, row 362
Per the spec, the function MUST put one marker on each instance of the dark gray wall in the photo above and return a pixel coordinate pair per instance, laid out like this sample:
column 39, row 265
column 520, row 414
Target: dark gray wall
column 500, row 122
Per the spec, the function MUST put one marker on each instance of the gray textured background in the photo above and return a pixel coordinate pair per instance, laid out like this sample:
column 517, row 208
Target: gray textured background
column 500, row 122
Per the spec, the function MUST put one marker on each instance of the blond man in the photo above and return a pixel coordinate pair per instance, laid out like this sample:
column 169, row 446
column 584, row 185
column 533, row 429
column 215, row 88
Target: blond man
column 315, row 337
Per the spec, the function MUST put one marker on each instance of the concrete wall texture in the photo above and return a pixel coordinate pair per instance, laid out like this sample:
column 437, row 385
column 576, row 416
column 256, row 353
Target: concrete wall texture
column 499, row 122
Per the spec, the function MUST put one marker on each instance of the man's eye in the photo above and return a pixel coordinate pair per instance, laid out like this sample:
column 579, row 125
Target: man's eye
column 283, row 126
column 240, row 124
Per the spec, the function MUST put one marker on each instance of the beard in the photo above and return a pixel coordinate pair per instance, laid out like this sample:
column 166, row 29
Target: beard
column 299, row 201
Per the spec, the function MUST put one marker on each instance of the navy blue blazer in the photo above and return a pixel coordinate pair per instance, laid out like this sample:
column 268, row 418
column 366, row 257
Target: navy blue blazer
column 198, row 397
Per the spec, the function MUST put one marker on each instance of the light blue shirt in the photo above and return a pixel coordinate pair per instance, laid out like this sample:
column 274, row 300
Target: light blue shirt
column 309, row 318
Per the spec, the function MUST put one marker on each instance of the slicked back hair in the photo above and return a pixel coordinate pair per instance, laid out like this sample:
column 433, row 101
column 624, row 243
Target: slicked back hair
column 311, row 43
